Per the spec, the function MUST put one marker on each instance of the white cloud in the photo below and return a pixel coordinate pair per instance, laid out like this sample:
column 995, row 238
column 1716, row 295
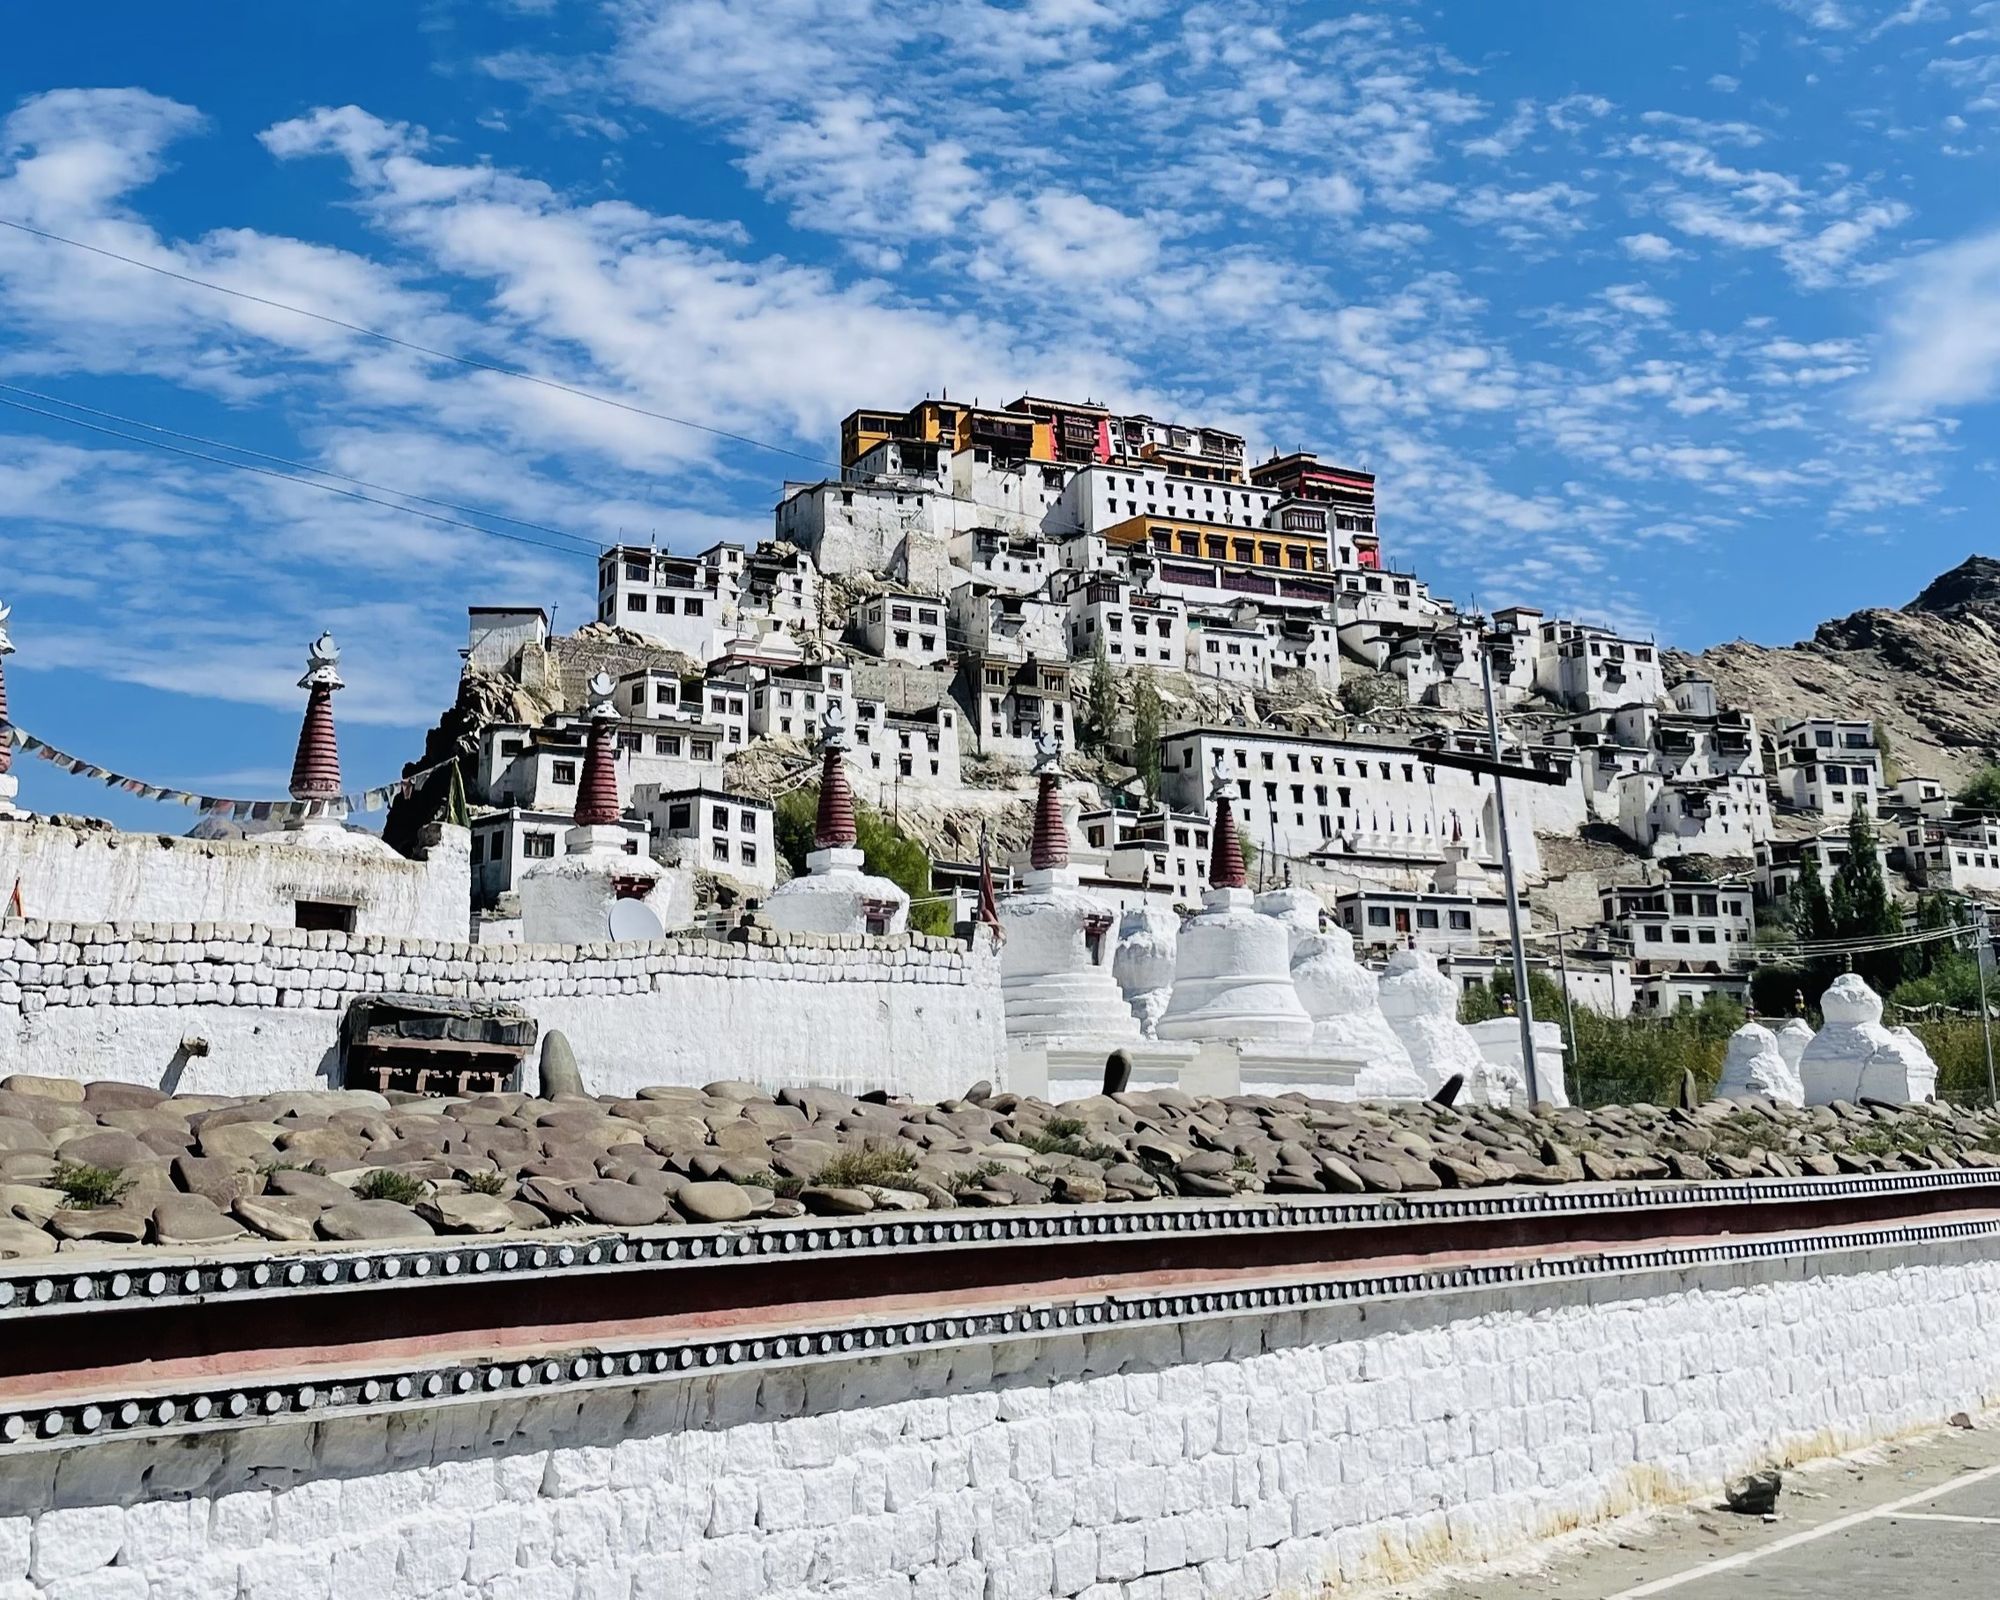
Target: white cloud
column 1636, row 300
column 1649, row 247
column 1942, row 340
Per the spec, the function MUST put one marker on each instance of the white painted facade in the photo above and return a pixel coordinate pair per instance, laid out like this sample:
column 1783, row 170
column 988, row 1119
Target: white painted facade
column 268, row 1001
column 902, row 626
column 1138, row 629
column 1158, row 846
column 791, row 702
column 1228, row 1458
column 1957, row 857
column 1828, row 765
column 897, row 751
column 713, row 831
column 1682, row 920
column 1585, row 668
column 1372, row 811
column 318, row 877
column 496, row 635
column 505, row 843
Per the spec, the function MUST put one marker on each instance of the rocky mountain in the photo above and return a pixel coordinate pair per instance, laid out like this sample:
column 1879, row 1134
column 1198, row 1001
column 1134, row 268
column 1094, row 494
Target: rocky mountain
column 1928, row 672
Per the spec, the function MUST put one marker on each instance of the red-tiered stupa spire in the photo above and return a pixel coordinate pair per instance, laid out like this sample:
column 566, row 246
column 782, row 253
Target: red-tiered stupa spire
column 316, row 766
column 1050, row 846
column 1225, row 850
column 597, row 795
column 833, row 828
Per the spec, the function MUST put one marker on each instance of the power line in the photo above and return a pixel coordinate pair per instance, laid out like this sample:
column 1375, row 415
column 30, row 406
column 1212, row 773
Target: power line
column 476, row 364
column 410, row 344
column 594, row 545
column 286, row 477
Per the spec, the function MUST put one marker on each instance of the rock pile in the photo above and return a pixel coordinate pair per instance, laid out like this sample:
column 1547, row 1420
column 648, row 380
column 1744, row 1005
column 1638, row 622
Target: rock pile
column 85, row 1166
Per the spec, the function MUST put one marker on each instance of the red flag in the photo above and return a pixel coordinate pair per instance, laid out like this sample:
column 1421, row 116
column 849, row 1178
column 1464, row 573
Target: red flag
column 14, row 902
column 989, row 903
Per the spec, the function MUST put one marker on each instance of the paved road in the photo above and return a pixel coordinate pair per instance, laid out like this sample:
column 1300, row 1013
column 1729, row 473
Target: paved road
column 1906, row 1522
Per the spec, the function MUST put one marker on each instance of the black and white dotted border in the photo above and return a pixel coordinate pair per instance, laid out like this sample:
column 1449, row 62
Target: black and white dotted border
column 208, row 1409
column 158, row 1276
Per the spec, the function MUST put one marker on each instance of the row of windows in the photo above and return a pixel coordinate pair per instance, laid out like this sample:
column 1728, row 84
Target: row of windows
column 664, row 605
column 1378, row 917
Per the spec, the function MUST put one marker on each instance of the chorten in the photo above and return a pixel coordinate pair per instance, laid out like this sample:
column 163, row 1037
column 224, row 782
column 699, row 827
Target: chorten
column 318, row 820
column 1055, row 962
column 835, row 895
column 570, row 899
column 10, row 785
column 1421, row 1005
column 1854, row 1055
column 1232, row 964
column 1754, row 1065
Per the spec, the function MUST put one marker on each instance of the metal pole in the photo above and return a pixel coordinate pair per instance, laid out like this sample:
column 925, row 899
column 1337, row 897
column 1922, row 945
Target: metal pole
column 1569, row 1011
column 1524, row 1009
column 1982, row 942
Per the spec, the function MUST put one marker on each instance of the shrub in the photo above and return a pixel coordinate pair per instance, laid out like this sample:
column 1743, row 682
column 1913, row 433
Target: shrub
column 88, row 1186
column 977, row 1177
column 485, row 1183
column 386, row 1183
column 784, row 1188
column 853, row 1168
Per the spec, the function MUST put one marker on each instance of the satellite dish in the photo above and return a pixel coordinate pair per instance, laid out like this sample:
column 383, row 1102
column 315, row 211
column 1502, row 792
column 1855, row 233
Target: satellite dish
column 634, row 919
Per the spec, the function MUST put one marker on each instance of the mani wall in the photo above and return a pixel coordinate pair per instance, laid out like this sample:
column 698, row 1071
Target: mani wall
column 1239, row 1455
column 73, row 871
column 124, row 1000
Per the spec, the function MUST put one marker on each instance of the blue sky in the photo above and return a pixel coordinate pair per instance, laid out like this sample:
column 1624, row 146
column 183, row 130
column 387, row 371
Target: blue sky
column 1686, row 318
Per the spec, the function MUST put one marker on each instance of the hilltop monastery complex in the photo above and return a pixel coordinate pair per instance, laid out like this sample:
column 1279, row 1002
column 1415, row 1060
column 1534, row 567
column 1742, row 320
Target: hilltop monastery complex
column 926, row 635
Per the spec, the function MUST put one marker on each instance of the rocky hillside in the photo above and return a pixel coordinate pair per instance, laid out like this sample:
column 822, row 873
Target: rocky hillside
column 1929, row 673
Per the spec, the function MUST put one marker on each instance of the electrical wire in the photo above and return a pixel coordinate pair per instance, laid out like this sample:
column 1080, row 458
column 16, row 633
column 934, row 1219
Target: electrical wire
column 411, row 345
column 286, row 477
column 593, row 545
column 497, row 368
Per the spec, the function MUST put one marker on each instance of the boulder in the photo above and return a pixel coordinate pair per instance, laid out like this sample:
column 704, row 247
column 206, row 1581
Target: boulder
column 559, row 1074
column 359, row 1220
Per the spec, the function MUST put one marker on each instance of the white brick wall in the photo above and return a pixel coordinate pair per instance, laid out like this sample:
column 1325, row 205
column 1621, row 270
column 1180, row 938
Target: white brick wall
column 115, row 1000
column 1244, row 1457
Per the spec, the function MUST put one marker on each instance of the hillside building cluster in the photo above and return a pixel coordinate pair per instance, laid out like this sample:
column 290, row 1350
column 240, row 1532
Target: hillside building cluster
column 922, row 634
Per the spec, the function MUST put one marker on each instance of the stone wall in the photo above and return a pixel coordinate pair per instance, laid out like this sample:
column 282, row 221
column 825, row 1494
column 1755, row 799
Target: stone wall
column 1262, row 1454
column 85, row 873
column 118, row 1000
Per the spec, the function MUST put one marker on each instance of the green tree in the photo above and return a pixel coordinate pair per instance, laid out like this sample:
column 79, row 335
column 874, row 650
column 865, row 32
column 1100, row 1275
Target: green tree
column 1861, row 905
column 1146, row 726
column 1100, row 707
column 1983, row 792
column 1812, row 916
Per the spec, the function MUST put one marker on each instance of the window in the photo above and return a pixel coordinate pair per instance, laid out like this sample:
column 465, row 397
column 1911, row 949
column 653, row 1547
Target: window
column 719, row 849
column 1461, row 921
column 538, row 846
column 718, row 817
column 1652, row 936
column 1378, row 916
column 691, row 608
column 322, row 916
column 1427, row 919
column 635, row 602
column 748, row 853
column 680, row 817
column 702, row 749
column 666, row 744
column 562, row 772
column 1680, row 936
column 478, row 848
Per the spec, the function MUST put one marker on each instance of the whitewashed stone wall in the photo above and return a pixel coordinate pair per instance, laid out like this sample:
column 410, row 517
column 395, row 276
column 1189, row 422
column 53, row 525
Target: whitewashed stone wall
column 118, row 1000
column 1245, row 1457
column 90, row 874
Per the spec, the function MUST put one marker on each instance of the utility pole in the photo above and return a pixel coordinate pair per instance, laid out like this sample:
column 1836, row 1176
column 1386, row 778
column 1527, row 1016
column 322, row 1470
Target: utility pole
column 1524, row 1009
column 1982, row 952
column 1569, row 1011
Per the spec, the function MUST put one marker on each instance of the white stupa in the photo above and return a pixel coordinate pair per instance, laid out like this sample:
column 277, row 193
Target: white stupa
column 1421, row 1005
column 1232, row 965
column 1792, row 1039
column 1854, row 1055
column 835, row 895
column 1144, row 962
column 1754, row 1065
column 1342, row 998
column 1056, row 981
column 571, row 898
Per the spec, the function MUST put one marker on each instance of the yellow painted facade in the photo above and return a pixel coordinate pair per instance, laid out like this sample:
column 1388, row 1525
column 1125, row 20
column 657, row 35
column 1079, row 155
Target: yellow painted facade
column 937, row 422
column 1249, row 547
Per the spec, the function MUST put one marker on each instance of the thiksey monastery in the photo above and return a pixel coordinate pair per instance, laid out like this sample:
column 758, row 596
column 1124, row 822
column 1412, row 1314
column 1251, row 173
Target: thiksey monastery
column 929, row 635
column 598, row 1182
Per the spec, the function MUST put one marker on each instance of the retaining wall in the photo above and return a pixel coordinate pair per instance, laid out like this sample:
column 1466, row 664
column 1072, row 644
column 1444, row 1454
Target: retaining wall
column 1186, row 1455
column 118, row 1000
